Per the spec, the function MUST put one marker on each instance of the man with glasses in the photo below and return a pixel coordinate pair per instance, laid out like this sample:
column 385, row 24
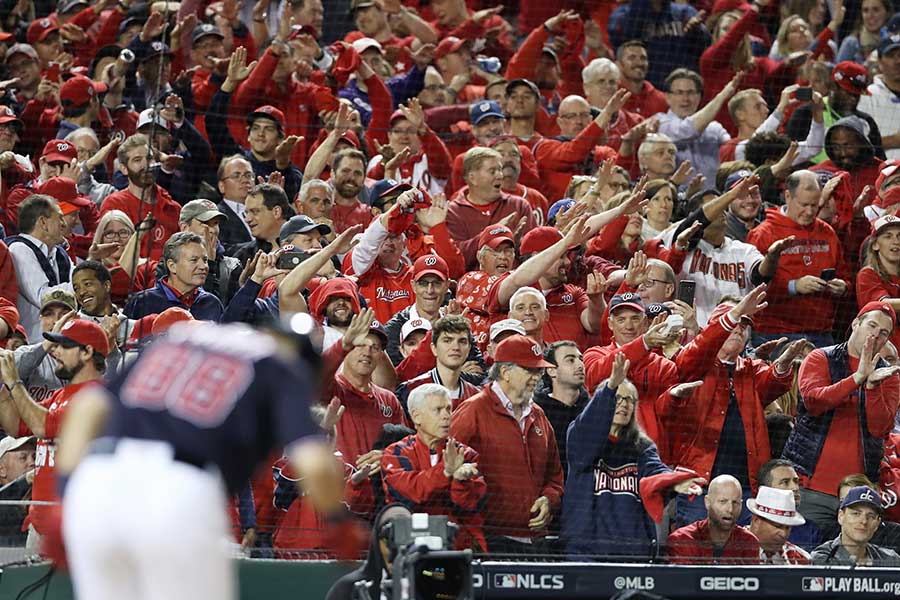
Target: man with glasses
column 236, row 179
column 526, row 485
column 694, row 131
column 859, row 517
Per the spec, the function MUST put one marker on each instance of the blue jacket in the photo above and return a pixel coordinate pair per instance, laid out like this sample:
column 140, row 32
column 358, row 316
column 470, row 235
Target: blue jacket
column 668, row 46
column 158, row 298
column 603, row 513
column 402, row 87
column 246, row 307
column 805, row 444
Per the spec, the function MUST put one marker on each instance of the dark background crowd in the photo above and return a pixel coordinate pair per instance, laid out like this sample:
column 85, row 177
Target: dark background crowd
column 594, row 279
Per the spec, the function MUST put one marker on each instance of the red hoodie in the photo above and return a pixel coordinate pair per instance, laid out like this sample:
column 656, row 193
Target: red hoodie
column 814, row 249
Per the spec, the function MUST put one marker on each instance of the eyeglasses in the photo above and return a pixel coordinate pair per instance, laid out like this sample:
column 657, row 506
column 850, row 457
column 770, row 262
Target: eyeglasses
column 248, row 176
column 626, row 399
column 122, row 234
column 648, row 283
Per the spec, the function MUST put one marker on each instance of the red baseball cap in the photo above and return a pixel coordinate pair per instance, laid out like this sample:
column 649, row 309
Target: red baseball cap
column 169, row 317
column 724, row 308
column 539, row 239
column 879, row 306
column 521, row 350
column 40, row 29
column 430, row 264
column 7, row 115
column 80, row 332
column 397, row 114
column 851, row 77
column 350, row 137
column 59, row 151
column 888, row 170
column 449, row 45
column 267, row 112
column 64, row 190
column 78, row 90
column 9, row 314
column 494, row 235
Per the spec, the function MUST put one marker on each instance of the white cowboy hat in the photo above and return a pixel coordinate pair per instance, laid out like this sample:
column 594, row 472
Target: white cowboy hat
column 775, row 505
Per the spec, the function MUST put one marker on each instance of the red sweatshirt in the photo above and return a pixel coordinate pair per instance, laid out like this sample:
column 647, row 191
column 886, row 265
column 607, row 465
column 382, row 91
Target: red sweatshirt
column 815, row 249
column 647, row 102
column 165, row 210
column 519, row 464
column 842, row 453
column 466, row 221
column 559, row 160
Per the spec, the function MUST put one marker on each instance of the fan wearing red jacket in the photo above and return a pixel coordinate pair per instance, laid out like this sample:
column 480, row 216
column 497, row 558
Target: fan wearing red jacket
column 517, row 448
column 808, row 281
column 879, row 279
column 430, row 473
column 650, row 371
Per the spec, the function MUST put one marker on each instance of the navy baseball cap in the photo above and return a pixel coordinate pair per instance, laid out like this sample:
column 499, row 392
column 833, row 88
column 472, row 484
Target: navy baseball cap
column 626, row 300
column 386, row 189
column 301, row 224
column 890, row 42
column 153, row 50
column 378, row 329
column 735, row 177
column 654, row 309
column 481, row 110
column 560, row 206
column 862, row 494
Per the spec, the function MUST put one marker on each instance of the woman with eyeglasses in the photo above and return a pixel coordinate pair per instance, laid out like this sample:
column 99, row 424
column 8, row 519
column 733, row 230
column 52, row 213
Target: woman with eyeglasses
column 616, row 478
column 116, row 240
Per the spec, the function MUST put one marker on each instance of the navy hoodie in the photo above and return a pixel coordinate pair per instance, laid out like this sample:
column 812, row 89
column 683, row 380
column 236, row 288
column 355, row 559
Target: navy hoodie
column 603, row 513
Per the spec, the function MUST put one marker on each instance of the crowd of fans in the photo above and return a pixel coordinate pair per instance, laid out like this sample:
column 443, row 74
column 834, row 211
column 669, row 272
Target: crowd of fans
column 594, row 280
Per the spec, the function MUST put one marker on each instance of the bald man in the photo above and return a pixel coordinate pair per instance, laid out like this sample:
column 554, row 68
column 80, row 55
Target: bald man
column 576, row 151
column 716, row 539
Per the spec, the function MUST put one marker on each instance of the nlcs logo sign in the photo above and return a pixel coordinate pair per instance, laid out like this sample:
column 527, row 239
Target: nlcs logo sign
column 529, row 581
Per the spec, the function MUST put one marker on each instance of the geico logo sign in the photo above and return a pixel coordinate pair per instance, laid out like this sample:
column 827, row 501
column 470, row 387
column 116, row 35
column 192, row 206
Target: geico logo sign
column 729, row 584
column 528, row 581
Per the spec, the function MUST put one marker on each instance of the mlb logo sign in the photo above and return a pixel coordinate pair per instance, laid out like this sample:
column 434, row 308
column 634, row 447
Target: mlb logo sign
column 504, row 581
column 813, row 584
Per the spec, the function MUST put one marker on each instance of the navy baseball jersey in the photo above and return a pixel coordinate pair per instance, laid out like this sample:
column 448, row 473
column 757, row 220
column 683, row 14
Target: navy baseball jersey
column 219, row 394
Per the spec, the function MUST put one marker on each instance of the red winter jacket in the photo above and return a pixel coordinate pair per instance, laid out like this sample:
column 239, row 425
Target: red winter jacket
column 518, row 465
column 701, row 416
column 653, row 373
column 409, row 477
column 815, row 249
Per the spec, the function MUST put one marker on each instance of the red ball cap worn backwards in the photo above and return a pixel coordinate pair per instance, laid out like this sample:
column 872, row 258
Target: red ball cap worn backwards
column 78, row 90
column 167, row 318
column 59, row 151
column 267, row 112
column 494, row 235
column 521, row 350
column 40, row 29
column 430, row 264
column 539, row 239
column 878, row 305
column 852, row 77
column 80, row 332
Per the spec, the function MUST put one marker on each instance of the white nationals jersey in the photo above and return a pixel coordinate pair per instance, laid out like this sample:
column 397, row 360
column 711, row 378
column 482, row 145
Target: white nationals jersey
column 717, row 271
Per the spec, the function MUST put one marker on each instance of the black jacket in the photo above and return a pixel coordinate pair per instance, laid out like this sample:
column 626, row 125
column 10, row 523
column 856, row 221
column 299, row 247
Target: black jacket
column 370, row 571
column 559, row 415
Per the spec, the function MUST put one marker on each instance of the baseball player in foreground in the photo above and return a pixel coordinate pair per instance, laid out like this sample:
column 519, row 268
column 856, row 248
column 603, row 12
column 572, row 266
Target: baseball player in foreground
column 160, row 447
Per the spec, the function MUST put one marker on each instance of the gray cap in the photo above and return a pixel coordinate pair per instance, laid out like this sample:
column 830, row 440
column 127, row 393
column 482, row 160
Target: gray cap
column 202, row 210
column 301, row 224
column 511, row 325
column 25, row 49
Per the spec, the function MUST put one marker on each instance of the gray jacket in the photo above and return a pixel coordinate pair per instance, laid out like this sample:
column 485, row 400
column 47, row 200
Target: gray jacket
column 834, row 553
